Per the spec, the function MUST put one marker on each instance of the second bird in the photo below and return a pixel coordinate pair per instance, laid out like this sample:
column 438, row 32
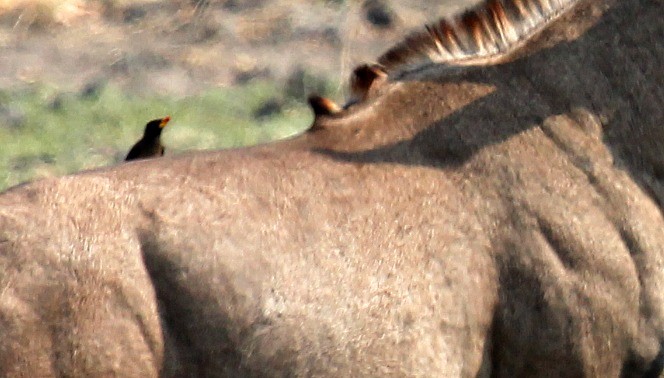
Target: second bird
column 150, row 145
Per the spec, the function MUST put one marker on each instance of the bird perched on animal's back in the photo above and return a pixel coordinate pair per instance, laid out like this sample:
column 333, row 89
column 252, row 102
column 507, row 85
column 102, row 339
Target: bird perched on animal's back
column 150, row 144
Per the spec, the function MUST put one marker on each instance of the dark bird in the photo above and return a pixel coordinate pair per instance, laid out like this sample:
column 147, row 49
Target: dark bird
column 150, row 145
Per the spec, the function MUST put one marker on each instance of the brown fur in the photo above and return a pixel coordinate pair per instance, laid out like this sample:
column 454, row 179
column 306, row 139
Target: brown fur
column 491, row 221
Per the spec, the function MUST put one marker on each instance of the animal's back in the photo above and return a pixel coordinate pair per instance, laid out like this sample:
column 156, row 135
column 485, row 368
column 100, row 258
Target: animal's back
column 499, row 221
column 75, row 298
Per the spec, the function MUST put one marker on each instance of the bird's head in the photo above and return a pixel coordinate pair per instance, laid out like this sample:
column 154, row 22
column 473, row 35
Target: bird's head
column 154, row 127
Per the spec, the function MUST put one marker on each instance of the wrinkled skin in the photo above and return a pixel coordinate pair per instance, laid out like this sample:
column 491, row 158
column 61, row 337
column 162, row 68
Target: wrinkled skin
column 496, row 221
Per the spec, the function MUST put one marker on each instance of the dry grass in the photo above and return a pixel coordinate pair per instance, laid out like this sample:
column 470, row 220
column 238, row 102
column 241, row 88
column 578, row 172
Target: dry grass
column 44, row 13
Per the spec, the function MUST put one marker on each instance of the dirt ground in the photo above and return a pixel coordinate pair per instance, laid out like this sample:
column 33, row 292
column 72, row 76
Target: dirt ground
column 180, row 47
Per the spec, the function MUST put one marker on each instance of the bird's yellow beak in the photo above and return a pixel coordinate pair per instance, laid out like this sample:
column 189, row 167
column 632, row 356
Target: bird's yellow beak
column 164, row 121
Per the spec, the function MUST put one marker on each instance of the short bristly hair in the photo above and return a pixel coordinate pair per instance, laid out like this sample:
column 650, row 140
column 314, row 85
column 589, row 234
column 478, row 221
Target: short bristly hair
column 481, row 35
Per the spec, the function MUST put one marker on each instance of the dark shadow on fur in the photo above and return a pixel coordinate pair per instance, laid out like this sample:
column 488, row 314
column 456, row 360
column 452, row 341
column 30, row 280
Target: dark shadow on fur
column 441, row 144
column 631, row 367
column 182, row 356
column 444, row 145
column 657, row 366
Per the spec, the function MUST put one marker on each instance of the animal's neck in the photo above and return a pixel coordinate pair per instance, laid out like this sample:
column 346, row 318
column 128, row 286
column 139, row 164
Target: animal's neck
column 491, row 32
column 456, row 111
column 439, row 90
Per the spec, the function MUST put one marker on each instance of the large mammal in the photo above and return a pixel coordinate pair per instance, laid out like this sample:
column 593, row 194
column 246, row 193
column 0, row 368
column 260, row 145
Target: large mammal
column 501, row 220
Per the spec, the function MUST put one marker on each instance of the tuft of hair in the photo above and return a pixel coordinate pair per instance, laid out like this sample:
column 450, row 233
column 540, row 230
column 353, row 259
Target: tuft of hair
column 484, row 34
column 323, row 106
column 362, row 79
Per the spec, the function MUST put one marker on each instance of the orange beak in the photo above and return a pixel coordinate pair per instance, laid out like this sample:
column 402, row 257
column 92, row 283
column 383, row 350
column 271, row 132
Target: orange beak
column 164, row 121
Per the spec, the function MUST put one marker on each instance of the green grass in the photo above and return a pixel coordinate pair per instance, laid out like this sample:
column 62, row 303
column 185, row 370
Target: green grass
column 53, row 133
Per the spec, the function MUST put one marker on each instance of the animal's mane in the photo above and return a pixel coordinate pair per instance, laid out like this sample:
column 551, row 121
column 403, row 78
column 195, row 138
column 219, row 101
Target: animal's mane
column 481, row 35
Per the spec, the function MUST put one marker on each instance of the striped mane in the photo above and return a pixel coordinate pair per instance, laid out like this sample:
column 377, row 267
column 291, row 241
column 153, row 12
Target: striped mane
column 482, row 35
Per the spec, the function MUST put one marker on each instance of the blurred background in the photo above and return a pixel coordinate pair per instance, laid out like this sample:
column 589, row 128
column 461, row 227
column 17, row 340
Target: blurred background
column 80, row 78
